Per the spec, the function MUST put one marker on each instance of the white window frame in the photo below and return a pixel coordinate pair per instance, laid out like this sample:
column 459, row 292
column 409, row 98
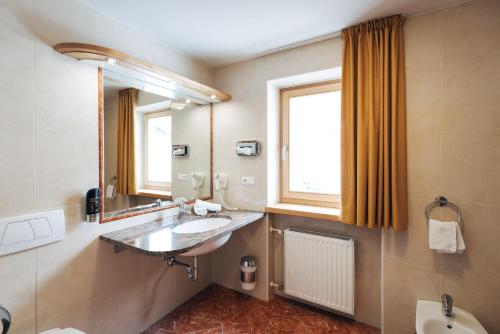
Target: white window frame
column 286, row 195
column 146, row 182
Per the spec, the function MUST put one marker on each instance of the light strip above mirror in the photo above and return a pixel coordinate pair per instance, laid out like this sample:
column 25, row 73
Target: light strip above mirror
column 152, row 75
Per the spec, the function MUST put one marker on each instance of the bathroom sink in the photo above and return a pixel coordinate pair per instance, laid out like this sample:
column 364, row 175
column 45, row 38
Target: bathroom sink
column 430, row 320
column 201, row 225
column 204, row 225
column 208, row 246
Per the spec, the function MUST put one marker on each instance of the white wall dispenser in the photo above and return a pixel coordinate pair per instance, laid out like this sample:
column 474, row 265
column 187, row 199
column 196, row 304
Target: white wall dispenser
column 181, row 151
column 248, row 148
column 29, row 231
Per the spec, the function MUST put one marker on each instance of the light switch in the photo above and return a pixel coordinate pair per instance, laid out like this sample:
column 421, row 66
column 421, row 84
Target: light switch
column 17, row 232
column 248, row 180
column 182, row 177
column 41, row 228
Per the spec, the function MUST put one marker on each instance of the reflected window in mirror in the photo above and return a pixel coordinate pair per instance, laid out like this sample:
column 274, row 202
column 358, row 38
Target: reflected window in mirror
column 158, row 144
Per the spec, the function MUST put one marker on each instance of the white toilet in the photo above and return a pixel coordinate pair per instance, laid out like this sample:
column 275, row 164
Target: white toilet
column 62, row 331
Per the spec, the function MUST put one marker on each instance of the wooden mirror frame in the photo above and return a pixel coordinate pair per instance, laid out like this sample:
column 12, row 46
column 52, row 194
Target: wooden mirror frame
column 102, row 218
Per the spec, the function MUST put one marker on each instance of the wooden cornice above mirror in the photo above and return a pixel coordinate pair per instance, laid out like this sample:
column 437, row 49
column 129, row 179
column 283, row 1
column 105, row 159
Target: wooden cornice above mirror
column 154, row 75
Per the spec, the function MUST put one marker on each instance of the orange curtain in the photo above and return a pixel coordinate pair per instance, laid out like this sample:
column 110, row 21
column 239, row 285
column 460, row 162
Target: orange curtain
column 374, row 190
column 125, row 166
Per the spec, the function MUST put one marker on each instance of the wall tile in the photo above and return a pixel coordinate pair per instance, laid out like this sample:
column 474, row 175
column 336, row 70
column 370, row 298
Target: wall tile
column 61, row 101
column 412, row 246
column 66, row 166
column 423, row 152
column 423, row 41
column 403, row 285
column 160, row 288
column 471, row 29
column 16, row 63
column 17, row 193
column 481, row 231
column 18, row 289
column 67, row 286
column 470, row 93
column 122, row 307
column 469, row 166
column 479, row 296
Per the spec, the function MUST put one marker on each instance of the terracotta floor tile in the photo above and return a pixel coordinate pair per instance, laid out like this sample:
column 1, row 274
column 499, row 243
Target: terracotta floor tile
column 220, row 310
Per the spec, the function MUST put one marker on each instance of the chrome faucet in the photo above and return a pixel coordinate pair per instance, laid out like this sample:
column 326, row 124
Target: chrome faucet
column 183, row 209
column 446, row 304
column 157, row 203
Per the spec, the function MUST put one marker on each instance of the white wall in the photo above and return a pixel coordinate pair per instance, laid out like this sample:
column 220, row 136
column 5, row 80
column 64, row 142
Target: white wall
column 49, row 158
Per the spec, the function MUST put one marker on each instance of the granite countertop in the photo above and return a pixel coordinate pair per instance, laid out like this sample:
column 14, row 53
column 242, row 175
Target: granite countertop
column 156, row 238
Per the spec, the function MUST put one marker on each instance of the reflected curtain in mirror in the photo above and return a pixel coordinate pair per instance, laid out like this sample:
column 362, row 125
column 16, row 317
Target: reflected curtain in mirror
column 125, row 168
column 373, row 131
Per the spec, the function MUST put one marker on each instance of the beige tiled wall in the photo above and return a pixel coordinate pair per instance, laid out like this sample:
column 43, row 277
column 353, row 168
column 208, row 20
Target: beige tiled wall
column 453, row 81
column 48, row 159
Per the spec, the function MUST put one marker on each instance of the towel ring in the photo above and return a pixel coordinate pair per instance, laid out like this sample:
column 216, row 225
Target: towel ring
column 443, row 201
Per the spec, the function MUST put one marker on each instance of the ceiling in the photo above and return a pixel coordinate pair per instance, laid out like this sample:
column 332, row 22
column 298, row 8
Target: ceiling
column 221, row 32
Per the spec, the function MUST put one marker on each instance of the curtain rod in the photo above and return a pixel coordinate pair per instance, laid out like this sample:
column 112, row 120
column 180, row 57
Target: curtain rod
column 303, row 43
column 299, row 44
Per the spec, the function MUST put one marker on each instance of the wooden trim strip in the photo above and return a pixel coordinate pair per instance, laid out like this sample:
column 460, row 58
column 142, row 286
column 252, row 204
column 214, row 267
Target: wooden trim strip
column 100, row 133
column 82, row 51
column 314, row 212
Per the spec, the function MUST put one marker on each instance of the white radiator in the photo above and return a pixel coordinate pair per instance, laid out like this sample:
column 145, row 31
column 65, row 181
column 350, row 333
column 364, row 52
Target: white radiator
column 319, row 268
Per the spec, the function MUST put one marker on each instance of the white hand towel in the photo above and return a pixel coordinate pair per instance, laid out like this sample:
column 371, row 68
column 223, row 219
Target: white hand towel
column 460, row 239
column 445, row 237
column 207, row 205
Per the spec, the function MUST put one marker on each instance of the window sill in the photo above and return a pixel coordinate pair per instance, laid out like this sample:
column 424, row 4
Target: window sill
column 155, row 193
column 309, row 211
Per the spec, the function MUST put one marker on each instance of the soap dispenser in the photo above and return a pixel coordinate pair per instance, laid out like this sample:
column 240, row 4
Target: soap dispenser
column 92, row 204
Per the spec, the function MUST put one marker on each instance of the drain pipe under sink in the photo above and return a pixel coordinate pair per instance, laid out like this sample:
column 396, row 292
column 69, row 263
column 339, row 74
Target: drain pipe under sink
column 192, row 271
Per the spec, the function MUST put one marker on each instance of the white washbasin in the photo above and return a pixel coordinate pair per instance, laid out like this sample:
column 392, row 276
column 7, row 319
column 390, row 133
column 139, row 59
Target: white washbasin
column 208, row 246
column 204, row 225
column 201, row 225
column 430, row 320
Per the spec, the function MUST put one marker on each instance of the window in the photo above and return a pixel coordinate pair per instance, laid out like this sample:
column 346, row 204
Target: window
column 158, row 146
column 310, row 138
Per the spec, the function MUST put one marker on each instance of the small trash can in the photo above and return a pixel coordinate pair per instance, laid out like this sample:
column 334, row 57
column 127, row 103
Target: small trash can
column 248, row 269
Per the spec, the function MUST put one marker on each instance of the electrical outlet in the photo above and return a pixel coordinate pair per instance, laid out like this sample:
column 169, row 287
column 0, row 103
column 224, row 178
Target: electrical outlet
column 248, row 180
column 182, row 177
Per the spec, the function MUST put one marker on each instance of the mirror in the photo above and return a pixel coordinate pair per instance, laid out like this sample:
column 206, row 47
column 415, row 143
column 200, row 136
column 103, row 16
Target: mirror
column 156, row 147
column 155, row 133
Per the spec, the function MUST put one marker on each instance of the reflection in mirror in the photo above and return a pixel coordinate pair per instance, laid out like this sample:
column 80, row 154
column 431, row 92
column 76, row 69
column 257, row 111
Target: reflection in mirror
column 156, row 146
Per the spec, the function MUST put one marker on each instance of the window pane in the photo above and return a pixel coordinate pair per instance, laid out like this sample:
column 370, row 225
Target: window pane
column 159, row 149
column 314, row 139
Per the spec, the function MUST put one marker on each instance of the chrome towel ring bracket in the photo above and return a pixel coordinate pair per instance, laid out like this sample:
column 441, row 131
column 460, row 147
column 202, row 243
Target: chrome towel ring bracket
column 443, row 201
